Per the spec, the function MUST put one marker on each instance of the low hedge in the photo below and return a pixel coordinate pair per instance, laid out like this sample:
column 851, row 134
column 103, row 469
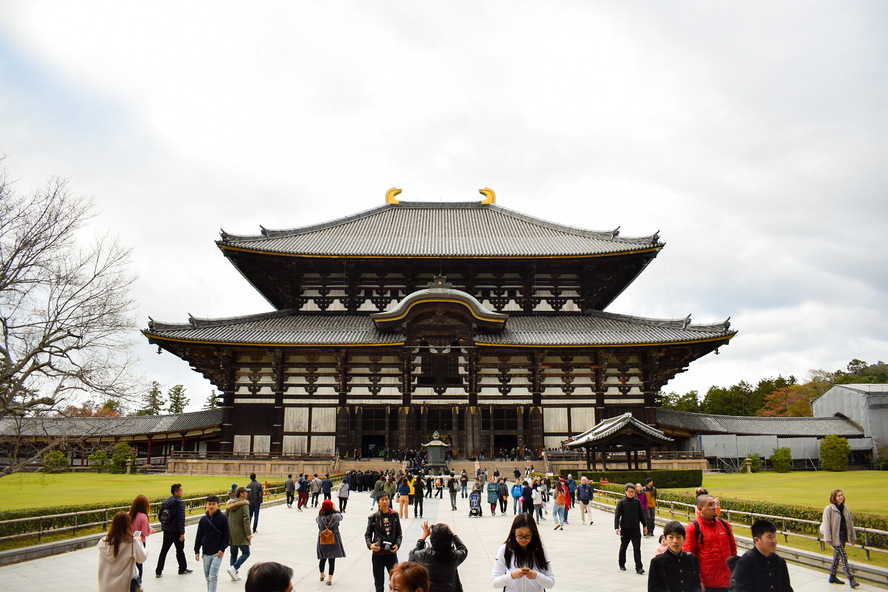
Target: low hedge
column 765, row 508
column 96, row 513
column 665, row 478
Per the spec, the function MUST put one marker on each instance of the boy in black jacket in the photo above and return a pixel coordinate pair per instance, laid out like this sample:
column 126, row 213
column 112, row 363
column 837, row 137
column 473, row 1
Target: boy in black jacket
column 213, row 537
column 628, row 517
column 761, row 568
column 674, row 570
column 383, row 537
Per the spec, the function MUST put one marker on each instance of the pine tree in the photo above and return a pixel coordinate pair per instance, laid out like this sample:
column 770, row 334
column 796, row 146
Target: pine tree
column 211, row 400
column 178, row 400
column 153, row 401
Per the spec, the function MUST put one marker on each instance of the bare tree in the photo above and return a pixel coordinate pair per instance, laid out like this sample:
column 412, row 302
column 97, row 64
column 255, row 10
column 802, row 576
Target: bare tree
column 66, row 312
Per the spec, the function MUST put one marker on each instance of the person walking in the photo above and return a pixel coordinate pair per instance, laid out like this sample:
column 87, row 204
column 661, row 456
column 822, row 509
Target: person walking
column 418, row 496
column 441, row 558
column 537, row 496
column 119, row 553
column 761, row 568
column 302, row 492
column 212, row 538
column 584, row 496
column 517, row 492
column 290, row 488
column 651, row 493
column 327, row 487
column 238, row 512
column 627, row 518
column 138, row 514
column 256, row 494
column 329, row 540
column 572, row 490
column 558, row 506
column 452, row 487
column 342, row 492
column 836, row 529
column 503, row 486
column 464, row 484
column 493, row 496
column 404, row 499
column 674, row 570
column 521, row 563
column 171, row 516
column 711, row 539
column 527, row 498
column 383, row 538
column 315, row 490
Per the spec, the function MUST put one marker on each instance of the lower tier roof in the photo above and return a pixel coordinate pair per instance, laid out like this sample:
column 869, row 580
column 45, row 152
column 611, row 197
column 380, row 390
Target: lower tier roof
column 289, row 329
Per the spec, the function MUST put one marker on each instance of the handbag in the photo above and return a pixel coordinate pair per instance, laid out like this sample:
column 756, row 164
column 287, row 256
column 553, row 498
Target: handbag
column 135, row 581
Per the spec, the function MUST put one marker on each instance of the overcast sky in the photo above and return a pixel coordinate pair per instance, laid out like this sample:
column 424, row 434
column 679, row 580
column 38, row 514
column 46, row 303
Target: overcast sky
column 752, row 135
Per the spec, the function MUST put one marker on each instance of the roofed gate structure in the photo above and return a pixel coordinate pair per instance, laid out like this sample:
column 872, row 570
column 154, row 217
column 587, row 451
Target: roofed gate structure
column 479, row 322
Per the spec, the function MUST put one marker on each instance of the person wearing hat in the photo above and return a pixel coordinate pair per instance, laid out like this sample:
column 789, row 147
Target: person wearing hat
column 441, row 558
column 329, row 519
column 238, row 512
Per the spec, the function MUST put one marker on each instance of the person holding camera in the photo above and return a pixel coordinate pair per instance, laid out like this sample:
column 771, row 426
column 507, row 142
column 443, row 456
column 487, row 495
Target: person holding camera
column 441, row 557
column 383, row 538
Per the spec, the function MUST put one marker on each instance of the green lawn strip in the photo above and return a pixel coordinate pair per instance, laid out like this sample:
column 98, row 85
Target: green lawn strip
column 35, row 490
column 865, row 491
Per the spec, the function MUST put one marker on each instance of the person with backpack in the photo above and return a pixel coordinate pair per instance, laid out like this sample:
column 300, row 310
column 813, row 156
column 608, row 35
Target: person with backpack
column 517, row 492
column 711, row 539
column 302, row 491
column 584, row 496
column 329, row 540
column 171, row 516
column 650, row 493
column 627, row 518
column 212, row 538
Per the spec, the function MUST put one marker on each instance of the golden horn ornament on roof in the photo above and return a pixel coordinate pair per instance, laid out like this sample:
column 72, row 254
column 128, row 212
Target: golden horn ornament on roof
column 489, row 195
column 390, row 195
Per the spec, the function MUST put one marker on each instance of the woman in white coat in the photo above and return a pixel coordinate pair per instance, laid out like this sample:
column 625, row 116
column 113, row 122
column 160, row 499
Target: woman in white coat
column 522, row 563
column 836, row 530
column 118, row 554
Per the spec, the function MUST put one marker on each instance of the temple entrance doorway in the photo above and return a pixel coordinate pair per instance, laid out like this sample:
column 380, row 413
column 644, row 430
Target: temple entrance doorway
column 371, row 446
column 503, row 442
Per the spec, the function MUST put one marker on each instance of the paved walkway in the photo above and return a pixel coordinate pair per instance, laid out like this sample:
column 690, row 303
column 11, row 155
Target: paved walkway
column 584, row 557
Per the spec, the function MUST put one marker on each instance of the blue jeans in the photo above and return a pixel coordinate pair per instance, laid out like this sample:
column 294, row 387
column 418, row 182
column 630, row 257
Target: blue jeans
column 254, row 515
column 244, row 551
column 558, row 513
column 211, row 564
column 516, row 503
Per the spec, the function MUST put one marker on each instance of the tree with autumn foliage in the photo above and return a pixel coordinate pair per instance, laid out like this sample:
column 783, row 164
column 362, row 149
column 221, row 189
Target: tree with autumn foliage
column 789, row 401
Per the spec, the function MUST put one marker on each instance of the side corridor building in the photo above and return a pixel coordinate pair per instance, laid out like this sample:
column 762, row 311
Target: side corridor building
column 484, row 324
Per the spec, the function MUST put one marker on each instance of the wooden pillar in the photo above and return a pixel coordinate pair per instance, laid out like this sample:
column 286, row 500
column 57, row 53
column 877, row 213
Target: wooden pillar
column 277, row 422
column 228, row 386
column 473, row 431
column 148, row 460
column 404, row 420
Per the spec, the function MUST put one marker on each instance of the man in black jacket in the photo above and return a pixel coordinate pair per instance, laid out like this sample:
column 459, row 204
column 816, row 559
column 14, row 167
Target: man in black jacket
column 173, row 530
column 212, row 538
column 383, row 537
column 761, row 568
column 627, row 518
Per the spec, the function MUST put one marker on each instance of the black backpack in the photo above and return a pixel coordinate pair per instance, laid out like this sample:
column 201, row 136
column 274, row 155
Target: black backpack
column 165, row 514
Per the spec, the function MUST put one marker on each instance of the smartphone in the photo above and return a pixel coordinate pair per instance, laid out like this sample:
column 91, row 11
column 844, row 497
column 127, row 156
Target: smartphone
column 137, row 534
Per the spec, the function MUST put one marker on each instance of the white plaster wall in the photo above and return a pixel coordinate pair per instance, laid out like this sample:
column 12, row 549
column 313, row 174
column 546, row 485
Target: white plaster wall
column 555, row 419
column 323, row 444
column 262, row 444
column 295, row 444
column 582, row 419
column 241, row 444
column 296, row 419
column 323, row 419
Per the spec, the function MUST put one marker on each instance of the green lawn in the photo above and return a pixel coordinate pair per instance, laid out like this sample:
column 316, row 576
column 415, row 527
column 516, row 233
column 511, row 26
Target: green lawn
column 35, row 490
column 865, row 491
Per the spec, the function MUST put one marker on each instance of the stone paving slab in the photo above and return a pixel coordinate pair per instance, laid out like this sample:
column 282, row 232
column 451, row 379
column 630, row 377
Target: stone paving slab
column 584, row 556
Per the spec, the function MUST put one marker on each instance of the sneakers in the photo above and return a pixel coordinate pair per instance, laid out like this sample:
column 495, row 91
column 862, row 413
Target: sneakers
column 233, row 573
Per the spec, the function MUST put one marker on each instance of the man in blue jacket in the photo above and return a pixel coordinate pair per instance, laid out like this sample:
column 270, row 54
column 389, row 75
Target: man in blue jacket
column 172, row 521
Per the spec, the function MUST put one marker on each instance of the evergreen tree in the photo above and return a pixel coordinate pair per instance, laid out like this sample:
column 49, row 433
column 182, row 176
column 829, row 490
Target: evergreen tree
column 211, row 400
column 154, row 401
column 178, row 400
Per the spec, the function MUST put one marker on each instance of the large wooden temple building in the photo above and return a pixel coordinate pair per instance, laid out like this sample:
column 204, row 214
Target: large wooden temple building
column 481, row 323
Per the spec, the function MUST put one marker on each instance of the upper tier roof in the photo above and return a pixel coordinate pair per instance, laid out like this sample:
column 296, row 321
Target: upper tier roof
column 447, row 229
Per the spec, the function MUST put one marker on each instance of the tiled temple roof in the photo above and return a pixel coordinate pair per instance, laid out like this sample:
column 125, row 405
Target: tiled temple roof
column 58, row 427
column 428, row 229
column 788, row 427
column 285, row 328
column 611, row 426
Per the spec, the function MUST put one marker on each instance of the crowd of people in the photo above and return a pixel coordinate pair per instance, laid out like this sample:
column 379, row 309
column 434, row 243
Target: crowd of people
column 700, row 555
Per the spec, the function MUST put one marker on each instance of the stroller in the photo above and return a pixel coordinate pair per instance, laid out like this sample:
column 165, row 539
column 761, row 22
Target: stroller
column 475, row 504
